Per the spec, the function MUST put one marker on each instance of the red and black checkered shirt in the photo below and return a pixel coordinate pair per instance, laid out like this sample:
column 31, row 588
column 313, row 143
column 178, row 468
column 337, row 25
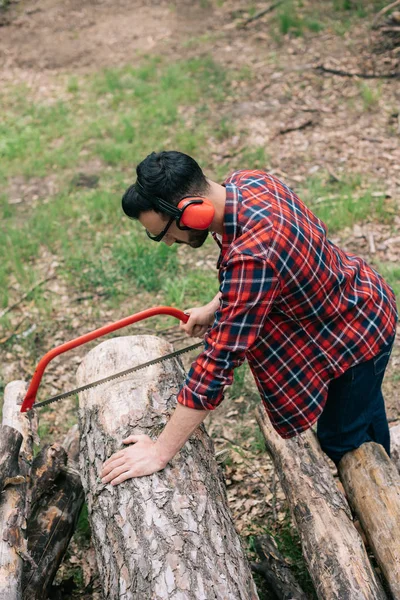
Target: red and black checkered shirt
column 300, row 309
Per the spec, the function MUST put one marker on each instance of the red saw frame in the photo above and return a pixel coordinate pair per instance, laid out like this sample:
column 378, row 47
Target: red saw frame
column 30, row 397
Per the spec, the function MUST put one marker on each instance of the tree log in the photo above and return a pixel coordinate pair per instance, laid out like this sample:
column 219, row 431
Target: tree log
column 332, row 547
column 169, row 535
column 276, row 570
column 56, row 501
column 10, row 443
column 395, row 445
column 372, row 485
column 13, row 502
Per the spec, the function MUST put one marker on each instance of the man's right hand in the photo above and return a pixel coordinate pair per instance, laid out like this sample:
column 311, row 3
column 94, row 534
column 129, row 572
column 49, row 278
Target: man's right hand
column 200, row 318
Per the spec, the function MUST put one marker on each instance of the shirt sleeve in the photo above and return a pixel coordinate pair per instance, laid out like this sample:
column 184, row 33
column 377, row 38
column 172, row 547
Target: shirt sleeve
column 249, row 287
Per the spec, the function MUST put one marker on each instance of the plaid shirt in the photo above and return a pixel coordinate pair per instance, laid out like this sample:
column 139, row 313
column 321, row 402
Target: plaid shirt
column 300, row 309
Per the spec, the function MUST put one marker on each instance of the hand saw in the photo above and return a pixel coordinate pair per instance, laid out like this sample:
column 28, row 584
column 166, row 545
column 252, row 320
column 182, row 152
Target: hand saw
column 29, row 400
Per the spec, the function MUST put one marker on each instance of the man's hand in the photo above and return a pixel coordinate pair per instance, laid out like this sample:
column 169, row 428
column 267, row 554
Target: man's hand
column 142, row 458
column 146, row 457
column 200, row 318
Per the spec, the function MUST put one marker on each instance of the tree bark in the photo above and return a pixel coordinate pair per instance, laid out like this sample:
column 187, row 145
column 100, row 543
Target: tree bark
column 333, row 549
column 56, row 501
column 169, row 535
column 372, row 485
column 276, row 570
column 13, row 503
column 395, row 445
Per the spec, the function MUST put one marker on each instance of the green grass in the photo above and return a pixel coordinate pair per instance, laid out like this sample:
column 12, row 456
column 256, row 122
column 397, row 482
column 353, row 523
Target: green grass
column 117, row 116
column 297, row 18
column 342, row 203
column 391, row 273
column 288, row 542
column 370, row 95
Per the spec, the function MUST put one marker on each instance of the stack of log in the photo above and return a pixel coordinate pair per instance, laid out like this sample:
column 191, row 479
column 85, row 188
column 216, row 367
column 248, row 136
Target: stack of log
column 41, row 498
column 171, row 535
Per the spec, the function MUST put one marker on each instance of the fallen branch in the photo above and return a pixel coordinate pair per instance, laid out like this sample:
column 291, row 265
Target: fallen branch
column 32, row 289
column 382, row 12
column 322, row 69
column 276, row 570
column 307, row 123
column 260, row 14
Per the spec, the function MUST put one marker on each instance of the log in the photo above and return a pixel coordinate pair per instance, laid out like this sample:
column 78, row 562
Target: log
column 10, row 443
column 372, row 485
column 332, row 547
column 169, row 535
column 56, row 501
column 276, row 570
column 13, row 503
column 395, row 445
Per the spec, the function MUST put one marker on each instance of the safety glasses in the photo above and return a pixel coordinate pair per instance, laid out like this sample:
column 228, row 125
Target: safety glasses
column 159, row 237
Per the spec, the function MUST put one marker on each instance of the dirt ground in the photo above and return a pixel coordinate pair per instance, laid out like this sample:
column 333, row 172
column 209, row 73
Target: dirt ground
column 309, row 122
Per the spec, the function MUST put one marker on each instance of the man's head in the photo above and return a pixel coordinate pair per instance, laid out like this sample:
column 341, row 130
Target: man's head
column 163, row 180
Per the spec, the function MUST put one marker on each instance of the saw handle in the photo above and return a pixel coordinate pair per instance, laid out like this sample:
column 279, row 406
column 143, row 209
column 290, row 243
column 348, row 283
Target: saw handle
column 30, row 397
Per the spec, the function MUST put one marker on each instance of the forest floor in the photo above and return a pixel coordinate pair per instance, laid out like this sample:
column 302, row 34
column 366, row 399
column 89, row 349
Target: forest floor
column 263, row 99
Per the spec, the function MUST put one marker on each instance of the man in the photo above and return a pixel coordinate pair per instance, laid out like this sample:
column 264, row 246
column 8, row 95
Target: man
column 316, row 324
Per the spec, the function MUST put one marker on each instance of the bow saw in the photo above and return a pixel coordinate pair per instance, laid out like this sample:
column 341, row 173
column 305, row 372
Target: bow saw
column 30, row 397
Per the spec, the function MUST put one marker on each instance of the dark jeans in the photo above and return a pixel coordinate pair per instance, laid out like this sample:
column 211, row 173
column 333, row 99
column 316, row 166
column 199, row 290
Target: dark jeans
column 354, row 412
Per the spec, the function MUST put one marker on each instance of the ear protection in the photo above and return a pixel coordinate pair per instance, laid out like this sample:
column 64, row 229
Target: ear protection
column 192, row 212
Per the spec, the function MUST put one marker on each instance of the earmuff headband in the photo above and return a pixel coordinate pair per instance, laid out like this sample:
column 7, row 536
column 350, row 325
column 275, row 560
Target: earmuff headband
column 158, row 202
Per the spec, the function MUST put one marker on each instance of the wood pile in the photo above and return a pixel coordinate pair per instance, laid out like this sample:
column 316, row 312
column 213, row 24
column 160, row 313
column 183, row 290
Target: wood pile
column 171, row 535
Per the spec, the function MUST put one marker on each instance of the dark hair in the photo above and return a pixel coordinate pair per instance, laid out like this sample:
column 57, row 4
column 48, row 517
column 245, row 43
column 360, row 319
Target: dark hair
column 168, row 175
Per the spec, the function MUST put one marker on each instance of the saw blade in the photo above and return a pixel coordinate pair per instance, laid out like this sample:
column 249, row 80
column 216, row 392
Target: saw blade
column 117, row 375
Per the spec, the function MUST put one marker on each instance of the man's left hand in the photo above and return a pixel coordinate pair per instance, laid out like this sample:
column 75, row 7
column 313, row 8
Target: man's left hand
column 142, row 458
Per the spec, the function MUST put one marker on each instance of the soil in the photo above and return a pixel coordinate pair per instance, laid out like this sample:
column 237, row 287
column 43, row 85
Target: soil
column 308, row 121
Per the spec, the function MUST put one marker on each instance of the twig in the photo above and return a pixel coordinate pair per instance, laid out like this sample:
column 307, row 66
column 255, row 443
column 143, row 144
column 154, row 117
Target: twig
column 274, row 488
column 332, row 174
column 14, row 333
column 302, row 126
column 322, row 69
column 394, row 29
column 261, row 13
column 371, row 242
column 89, row 297
column 383, row 12
column 10, row 308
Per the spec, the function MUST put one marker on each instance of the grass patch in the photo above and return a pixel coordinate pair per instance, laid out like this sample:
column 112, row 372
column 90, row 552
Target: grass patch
column 288, row 542
column 391, row 273
column 297, row 18
column 341, row 204
column 370, row 95
column 117, row 116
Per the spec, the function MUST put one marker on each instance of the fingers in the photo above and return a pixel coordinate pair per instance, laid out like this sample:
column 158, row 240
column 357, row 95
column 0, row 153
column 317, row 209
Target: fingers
column 117, row 455
column 199, row 330
column 123, row 477
column 113, row 475
column 132, row 439
column 184, row 326
column 191, row 324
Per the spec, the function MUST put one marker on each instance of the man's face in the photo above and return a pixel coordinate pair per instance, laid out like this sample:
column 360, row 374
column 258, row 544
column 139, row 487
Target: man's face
column 155, row 223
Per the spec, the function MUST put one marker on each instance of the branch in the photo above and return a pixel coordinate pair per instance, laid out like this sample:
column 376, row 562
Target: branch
column 10, row 308
column 296, row 128
column 261, row 13
column 383, row 12
column 323, row 69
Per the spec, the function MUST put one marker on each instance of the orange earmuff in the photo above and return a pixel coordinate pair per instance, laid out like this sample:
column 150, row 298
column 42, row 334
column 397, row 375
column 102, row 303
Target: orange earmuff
column 196, row 212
